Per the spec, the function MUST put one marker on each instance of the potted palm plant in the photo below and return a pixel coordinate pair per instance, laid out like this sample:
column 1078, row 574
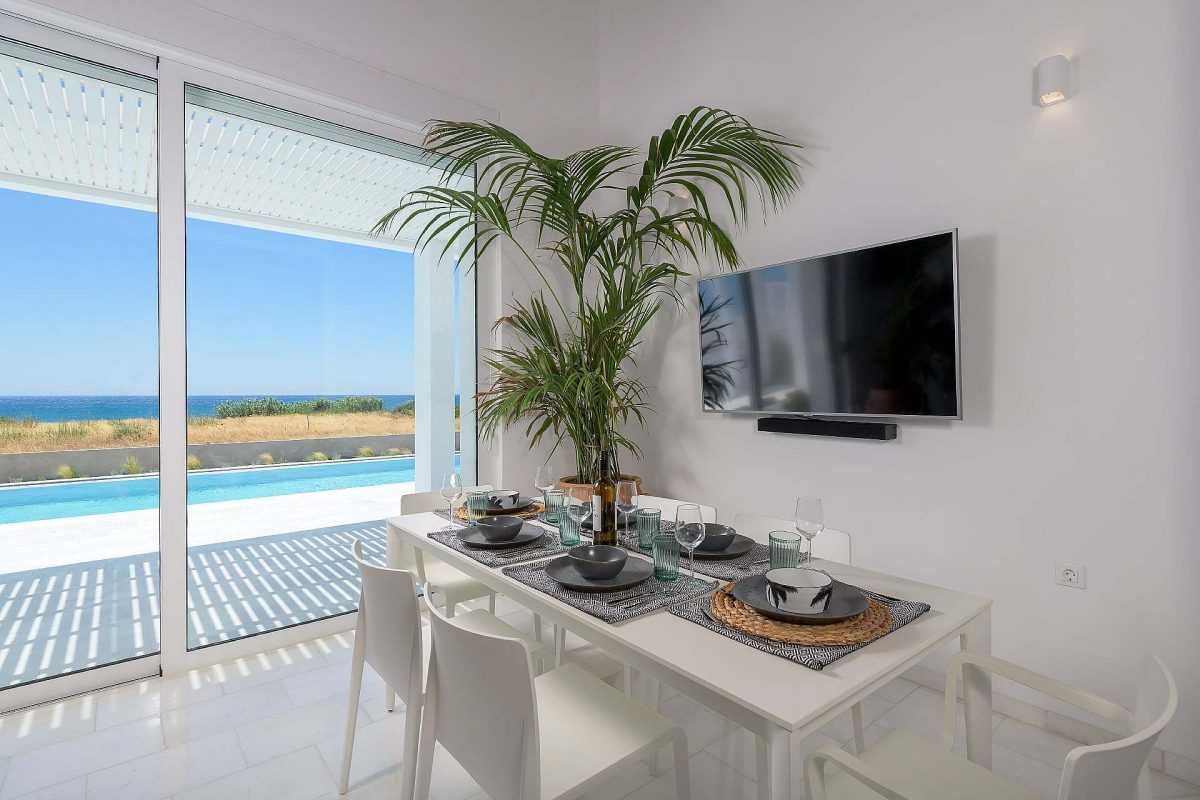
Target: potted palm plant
column 620, row 228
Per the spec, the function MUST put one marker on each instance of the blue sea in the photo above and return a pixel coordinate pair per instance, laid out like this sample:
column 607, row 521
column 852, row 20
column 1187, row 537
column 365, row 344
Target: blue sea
column 84, row 407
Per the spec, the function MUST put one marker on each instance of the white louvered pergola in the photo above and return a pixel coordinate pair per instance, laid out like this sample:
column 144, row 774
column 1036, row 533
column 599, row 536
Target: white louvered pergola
column 84, row 137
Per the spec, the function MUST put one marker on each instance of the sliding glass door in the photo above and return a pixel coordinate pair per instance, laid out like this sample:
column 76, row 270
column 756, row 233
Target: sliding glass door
column 79, row 555
column 307, row 412
column 215, row 375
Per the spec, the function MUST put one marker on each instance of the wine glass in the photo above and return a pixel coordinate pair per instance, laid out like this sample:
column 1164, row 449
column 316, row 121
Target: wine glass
column 689, row 530
column 810, row 520
column 543, row 481
column 627, row 500
column 452, row 489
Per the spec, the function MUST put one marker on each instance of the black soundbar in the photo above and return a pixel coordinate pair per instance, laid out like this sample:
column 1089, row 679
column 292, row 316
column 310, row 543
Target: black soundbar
column 846, row 429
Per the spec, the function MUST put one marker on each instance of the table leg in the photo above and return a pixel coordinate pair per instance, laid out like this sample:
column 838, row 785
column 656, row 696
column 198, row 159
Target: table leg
column 977, row 690
column 774, row 756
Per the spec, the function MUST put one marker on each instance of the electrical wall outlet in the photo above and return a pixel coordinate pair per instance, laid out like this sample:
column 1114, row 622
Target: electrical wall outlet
column 1073, row 575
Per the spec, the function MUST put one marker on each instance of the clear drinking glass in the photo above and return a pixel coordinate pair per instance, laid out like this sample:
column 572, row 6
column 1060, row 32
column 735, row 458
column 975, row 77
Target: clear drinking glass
column 649, row 523
column 689, row 530
column 544, row 481
column 810, row 520
column 477, row 505
column 576, row 504
column 452, row 489
column 666, row 560
column 627, row 500
column 553, row 499
column 785, row 549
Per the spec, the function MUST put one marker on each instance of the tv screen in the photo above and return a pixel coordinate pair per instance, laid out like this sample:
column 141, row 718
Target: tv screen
column 870, row 332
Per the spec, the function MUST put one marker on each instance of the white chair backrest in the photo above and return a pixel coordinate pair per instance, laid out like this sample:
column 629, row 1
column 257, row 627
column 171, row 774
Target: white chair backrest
column 830, row 544
column 1110, row 771
column 668, row 506
column 417, row 503
column 389, row 624
column 484, row 708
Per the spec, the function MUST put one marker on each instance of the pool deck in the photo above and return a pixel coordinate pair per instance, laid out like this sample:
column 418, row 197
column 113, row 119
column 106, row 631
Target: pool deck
column 81, row 591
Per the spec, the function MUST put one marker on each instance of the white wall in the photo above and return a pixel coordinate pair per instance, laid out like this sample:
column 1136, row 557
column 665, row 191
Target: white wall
column 529, row 64
column 1078, row 228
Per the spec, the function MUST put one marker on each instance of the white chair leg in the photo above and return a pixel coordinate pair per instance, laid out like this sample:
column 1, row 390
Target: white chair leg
column 560, row 644
column 860, row 742
column 450, row 607
column 537, row 628
column 683, row 780
column 389, row 698
column 492, row 604
column 655, row 700
column 428, row 739
column 356, row 673
column 412, row 730
column 627, row 680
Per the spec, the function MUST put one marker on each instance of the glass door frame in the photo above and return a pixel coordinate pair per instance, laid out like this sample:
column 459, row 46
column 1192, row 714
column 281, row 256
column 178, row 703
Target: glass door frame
column 145, row 66
column 173, row 77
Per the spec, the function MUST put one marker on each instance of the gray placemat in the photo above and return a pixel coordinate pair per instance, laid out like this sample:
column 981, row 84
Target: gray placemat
column 598, row 603
column 730, row 569
column 812, row 656
column 548, row 545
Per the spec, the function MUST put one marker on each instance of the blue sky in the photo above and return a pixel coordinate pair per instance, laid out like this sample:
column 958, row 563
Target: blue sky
column 268, row 313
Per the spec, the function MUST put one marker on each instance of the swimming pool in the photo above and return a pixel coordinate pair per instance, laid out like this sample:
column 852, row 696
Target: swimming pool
column 105, row 496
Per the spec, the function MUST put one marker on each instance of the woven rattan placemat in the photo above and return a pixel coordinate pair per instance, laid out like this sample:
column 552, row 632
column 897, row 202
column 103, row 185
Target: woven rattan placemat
column 869, row 625
column 533, row 512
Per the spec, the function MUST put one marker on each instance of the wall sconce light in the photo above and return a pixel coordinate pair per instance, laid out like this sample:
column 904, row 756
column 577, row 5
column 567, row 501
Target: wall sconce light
column 1053, row 81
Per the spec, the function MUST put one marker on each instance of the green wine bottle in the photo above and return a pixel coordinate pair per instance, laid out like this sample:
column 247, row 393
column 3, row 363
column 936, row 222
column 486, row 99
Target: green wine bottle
column 604, row 504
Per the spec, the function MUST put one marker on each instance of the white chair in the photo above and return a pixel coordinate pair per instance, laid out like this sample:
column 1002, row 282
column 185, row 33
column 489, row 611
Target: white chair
column 904, row 766
column 455, row 586
column 522, row 737
column 668, row 507
column 388, row 637
column 831, row 545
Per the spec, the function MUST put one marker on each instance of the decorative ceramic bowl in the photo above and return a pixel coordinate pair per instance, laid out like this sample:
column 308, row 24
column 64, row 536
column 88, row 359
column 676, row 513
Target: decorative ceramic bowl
column 799, row 590
column 598, row 562
column 500, row 528
column 717, row 537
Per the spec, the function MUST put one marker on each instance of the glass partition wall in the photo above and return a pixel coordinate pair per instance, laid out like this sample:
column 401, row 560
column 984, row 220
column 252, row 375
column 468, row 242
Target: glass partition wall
column 219, row 373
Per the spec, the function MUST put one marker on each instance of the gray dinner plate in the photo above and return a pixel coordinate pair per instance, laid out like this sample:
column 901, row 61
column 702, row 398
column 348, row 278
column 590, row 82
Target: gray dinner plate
column 508, row 506
column 624, row 521
column 737, row 548
column 634, row 572
column 847, row 601
column 473, row 537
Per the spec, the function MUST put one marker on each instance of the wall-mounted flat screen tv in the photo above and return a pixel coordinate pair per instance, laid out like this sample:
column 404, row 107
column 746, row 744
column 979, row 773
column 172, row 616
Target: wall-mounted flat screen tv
column 865, row 333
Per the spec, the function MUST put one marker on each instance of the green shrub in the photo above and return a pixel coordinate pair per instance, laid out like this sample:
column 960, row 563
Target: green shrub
column 408, row 409
column 266, row 458
column 131, row 466
column 393, row 451
column 365, row 452
column 273, row 406
column 317, row 456
column 66, row 471
column 129, row 428
column 194, row 463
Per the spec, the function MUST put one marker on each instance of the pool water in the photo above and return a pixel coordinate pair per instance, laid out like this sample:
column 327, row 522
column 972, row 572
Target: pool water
column 26, row 503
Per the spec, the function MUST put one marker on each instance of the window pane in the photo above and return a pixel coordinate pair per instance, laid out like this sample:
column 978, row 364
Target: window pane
column 78, row 372
column 302, row 377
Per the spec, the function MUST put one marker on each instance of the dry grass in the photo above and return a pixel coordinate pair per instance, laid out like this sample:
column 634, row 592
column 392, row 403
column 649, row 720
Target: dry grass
column 25, row 436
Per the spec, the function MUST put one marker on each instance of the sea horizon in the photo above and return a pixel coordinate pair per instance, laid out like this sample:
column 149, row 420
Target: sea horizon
column 85, row 407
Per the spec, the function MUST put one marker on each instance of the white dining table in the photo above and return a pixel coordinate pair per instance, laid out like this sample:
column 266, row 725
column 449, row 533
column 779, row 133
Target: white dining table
column 772, row 697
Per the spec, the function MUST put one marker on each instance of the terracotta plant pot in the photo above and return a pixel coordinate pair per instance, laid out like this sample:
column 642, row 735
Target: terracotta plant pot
column 568, row 483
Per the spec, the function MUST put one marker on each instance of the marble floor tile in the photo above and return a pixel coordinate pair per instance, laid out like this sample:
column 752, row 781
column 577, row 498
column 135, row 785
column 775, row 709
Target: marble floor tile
column 300, row 775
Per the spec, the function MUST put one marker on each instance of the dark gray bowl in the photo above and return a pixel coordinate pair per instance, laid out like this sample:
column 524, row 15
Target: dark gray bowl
column 500, row 528
column 598, row 562
column 717, row 537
